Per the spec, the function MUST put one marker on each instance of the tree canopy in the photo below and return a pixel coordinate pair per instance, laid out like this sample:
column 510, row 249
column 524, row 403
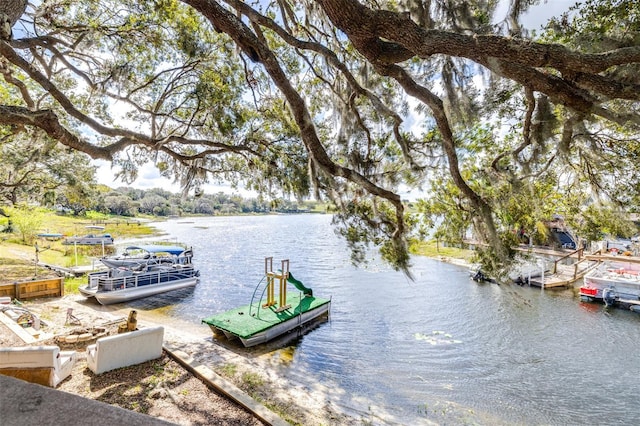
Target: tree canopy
column 351, row 101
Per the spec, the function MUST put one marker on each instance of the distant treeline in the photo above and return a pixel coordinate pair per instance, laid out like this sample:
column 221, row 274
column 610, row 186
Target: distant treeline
column 125, row 201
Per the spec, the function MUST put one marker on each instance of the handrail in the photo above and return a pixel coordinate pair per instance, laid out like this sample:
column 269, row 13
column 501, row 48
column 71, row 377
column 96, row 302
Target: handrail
column 105, row 283
column 254, row 295
column 580, row 251
column 575, row 267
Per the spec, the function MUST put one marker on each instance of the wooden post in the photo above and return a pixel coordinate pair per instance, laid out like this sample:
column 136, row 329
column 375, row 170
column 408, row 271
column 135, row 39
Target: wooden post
column 283, row 291
column 35, row 272
column 268, row 272
column 284, row 275
column 268, row 265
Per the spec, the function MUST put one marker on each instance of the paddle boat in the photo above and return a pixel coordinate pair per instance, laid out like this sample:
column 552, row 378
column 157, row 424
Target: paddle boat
column 266, row 317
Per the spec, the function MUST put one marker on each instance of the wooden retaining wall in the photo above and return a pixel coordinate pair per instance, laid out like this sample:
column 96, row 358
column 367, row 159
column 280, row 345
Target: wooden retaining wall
column 51, row 287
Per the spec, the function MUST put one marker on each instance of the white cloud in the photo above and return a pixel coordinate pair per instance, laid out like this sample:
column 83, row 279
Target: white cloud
column 149, row 178
column 539, row 15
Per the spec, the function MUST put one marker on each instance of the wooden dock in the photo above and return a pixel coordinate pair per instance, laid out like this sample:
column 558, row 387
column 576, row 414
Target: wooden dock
column 74, row 271
column 564, row 275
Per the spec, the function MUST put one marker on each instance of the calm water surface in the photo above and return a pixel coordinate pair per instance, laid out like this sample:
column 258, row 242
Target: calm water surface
column 441, row 348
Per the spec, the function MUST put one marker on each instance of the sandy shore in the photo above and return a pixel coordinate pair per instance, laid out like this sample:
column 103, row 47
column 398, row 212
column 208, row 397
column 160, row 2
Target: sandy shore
column 256, row 373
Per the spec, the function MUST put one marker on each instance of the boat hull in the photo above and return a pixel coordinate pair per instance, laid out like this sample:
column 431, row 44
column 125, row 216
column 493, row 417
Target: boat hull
column 120, row 285
column 126, row 295
column 285, row 327
column 87, row 292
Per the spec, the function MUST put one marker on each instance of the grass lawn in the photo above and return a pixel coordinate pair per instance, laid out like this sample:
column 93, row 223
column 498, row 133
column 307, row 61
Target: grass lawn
column 435, row 249
column 17, row 256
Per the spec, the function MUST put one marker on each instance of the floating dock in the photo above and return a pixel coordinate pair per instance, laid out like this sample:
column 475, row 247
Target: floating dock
column 263, row 320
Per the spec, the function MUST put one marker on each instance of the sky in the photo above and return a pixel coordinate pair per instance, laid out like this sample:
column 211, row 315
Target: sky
column 149, row 177
column 540, row 14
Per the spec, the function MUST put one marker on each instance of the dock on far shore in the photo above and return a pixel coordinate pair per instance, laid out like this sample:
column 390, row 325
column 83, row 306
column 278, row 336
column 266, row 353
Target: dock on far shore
column 562, row 274
column 565, row 275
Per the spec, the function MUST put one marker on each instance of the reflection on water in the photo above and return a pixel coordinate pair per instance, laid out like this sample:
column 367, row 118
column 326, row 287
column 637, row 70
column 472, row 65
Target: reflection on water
column 441, row 348
column 164, row 303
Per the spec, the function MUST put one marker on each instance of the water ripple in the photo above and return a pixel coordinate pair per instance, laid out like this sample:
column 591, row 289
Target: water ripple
column 441, row 348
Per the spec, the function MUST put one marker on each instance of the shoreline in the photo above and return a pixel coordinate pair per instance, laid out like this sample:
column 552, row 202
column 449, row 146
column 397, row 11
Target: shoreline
column 254, row 374
column 296, row 403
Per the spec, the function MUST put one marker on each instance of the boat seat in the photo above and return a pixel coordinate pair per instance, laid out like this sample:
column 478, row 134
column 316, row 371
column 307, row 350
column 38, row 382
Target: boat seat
column 123, row 350
column 44, row 365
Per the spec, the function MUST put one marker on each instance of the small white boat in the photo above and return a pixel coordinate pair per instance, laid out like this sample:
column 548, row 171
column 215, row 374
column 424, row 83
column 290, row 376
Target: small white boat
column 615, row 283
column 89, row 240
column 51, row 236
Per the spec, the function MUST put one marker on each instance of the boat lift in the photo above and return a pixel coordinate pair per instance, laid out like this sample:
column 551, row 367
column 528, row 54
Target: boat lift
column 282, row 276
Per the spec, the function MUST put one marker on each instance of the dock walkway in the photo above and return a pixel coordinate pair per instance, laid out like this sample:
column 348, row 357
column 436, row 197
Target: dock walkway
column 74, row 271
column 563, row 274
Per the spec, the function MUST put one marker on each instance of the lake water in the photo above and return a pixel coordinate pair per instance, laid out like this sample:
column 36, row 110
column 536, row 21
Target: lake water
column 442, row 348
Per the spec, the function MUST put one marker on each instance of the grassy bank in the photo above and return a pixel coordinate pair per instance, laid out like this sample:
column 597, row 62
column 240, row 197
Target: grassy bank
column 19, row 250
column 18, row 254
column 438, row 250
